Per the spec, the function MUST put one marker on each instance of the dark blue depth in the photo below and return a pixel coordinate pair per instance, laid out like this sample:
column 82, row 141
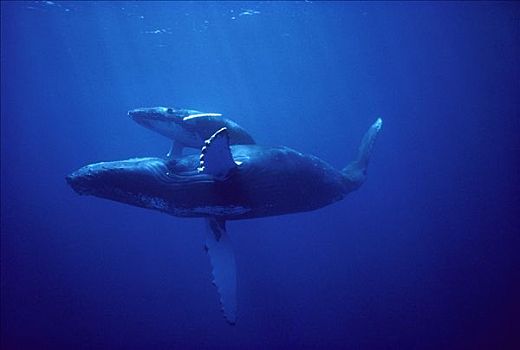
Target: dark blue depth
column 424, row 256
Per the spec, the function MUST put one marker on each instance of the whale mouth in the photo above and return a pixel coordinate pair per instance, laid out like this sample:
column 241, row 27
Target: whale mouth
column 77, row 183
column 146, row 116
column 83, row 180
column 165, row 114
column 142, row 114
column 90, row 179
column 135, row 113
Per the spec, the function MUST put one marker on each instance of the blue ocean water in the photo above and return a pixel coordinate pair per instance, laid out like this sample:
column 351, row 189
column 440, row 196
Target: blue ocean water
column 425, row 255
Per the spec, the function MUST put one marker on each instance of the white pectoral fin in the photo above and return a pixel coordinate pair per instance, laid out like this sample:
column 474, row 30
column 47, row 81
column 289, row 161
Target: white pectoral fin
column 201, row 115
column 223, row 266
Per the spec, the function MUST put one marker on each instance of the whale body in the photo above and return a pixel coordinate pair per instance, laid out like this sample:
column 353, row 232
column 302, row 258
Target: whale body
column 187, row 127
column 226, row 182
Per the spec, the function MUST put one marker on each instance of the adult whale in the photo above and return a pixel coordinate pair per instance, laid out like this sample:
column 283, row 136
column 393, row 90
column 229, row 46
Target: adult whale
column 226, row 183
column 187, row 127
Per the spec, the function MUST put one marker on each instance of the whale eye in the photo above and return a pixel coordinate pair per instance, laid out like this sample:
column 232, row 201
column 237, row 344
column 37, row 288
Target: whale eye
column 169, row 110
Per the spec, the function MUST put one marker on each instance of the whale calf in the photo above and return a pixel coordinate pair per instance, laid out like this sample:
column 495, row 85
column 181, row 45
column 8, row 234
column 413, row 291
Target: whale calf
column 226, row 182
column 187, row 127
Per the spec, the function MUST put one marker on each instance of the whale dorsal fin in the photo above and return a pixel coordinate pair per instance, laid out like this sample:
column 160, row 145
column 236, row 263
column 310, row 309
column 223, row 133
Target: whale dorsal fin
column 215, row 156
column 200, row 115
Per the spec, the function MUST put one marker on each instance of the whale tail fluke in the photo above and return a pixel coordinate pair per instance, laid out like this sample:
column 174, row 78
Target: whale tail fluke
column 367, row 144
column 356, row 172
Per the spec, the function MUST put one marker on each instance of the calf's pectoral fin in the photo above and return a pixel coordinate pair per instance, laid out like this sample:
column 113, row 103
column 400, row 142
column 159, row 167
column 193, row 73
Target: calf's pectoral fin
column 223, row 266
column 201, row 115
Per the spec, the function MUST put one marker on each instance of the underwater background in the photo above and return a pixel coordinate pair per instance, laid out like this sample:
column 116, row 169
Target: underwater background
column 425, row 255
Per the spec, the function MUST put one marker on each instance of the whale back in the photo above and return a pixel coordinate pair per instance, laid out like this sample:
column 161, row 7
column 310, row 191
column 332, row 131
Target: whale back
column 268, row 181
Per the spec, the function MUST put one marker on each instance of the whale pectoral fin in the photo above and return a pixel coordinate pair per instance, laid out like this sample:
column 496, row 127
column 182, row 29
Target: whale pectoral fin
column 201, row 115
column 224, row 272
column 215, row 157
column 175, row 150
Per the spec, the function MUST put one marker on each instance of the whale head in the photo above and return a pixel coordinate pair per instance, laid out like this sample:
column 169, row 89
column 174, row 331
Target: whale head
column 167, row 121
column 139, row 181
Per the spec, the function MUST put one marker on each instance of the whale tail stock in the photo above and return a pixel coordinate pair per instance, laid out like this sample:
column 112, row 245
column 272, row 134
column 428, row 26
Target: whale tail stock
column 356, row 172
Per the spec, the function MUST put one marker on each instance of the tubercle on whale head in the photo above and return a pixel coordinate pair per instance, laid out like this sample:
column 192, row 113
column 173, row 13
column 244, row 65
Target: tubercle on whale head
column 140, row 115
column 118, row 180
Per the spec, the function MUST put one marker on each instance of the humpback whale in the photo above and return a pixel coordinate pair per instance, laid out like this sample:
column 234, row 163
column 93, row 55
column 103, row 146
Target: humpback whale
column 226, row 182
column 187, row 127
